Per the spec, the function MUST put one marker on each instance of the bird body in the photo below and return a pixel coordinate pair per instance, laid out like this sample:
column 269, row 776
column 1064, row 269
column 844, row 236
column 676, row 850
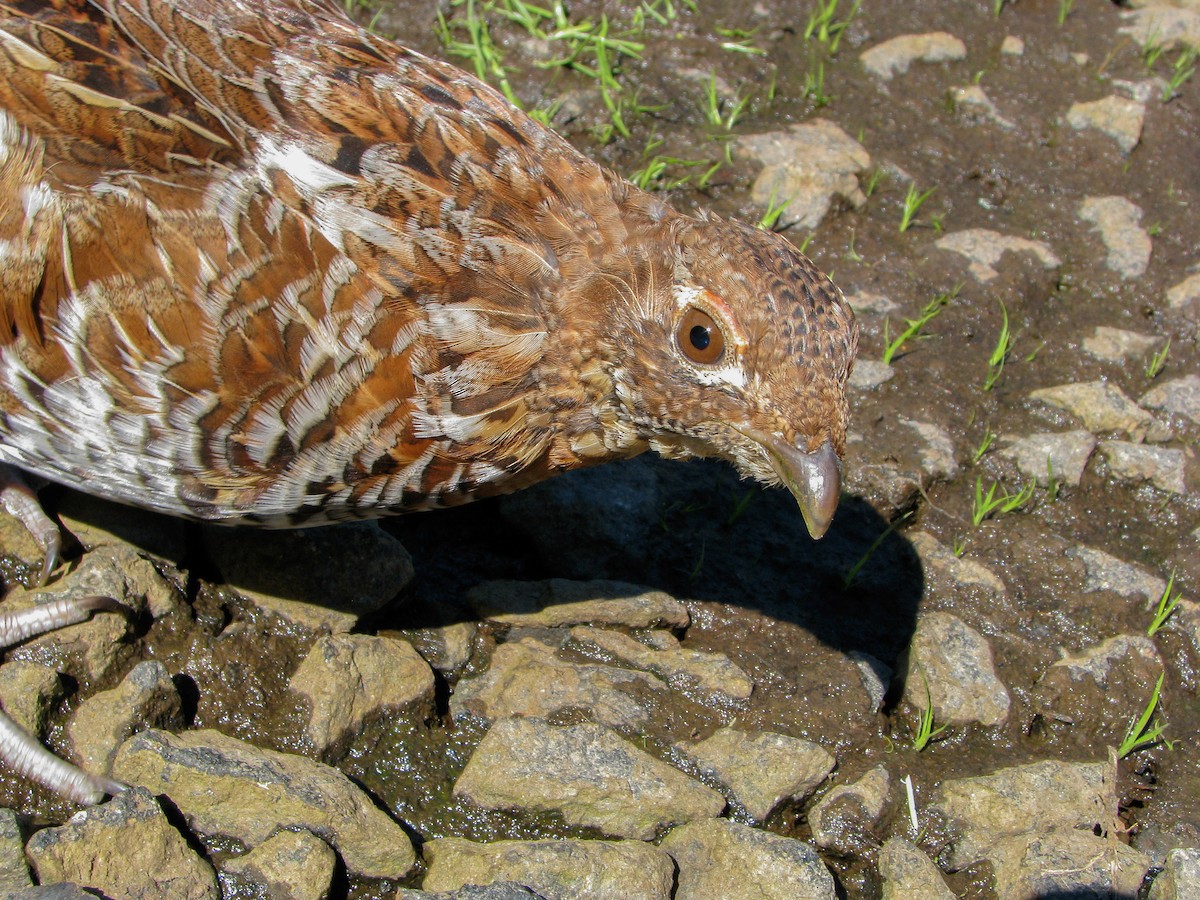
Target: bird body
column 259, row 265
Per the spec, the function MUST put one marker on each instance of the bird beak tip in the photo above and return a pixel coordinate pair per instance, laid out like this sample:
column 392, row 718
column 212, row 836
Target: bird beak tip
column 814, row 480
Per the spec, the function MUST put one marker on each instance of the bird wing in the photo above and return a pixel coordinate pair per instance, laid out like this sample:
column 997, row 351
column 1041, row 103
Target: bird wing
column 252, row 269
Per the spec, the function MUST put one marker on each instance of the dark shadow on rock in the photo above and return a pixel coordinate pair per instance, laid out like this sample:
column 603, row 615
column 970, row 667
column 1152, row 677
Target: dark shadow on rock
column 692, row 529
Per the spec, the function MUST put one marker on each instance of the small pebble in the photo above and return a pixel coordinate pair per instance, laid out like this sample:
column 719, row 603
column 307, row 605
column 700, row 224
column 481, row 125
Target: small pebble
column 893, row 57
column 1118, row 117
column 1117, row 220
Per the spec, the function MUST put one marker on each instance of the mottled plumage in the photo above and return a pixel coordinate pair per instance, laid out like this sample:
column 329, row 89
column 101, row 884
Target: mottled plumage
column 258, row 265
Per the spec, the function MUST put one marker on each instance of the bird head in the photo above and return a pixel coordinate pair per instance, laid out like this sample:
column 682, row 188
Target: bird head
column 740, row 349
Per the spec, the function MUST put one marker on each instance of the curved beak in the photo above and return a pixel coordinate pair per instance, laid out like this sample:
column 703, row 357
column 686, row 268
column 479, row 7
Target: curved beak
column 813, row 478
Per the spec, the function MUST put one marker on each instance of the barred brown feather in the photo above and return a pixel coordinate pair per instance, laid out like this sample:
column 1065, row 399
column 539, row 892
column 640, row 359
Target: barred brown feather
column 259, row 265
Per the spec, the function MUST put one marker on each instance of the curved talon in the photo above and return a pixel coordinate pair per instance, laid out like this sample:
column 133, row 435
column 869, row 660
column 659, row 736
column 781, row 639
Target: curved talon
column 21, row 501
column 101, row 603
column 29, row 758
column 51, row 555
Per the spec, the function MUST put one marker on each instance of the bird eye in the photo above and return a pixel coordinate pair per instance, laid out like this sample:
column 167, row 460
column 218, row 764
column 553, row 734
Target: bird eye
column 699, row 337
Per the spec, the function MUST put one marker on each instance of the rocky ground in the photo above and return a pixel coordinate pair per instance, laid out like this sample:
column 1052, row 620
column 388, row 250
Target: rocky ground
column 645, row 680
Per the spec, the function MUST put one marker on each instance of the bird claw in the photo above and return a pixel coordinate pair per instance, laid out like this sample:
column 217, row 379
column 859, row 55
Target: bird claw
column 51, row 555
column 17, row 748
column 21, row 502
column 29, row 758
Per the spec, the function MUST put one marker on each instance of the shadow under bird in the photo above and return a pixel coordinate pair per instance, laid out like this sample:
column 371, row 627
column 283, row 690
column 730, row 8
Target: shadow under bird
column 259, row 266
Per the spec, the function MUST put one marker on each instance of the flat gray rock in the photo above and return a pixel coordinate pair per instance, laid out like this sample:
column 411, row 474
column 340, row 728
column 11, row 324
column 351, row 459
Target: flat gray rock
column 291, row 865
column 123, row 848
column 1104, row 572
column 972, row 101
column 501, row 890
column 348, row 680
column 448, row 641
column 146, row 697
column 1118, row 221
column 720, row 858
column 1102, row 407
column 1066, row 863
column 1180, row 877
column 585, row 773
column 1082, row 688
column 871, row 303
column 28, row 692
column 1061, row 455
column 807, row 167
column 1186, row 294
column 684, row 669
column 1168, row 24
column 1163, row 467
column 1037, row 798
column 126, row 531
column 845, row 818
column 869, row 374
column 1117, row 117
column 1118, row 345
column 984, row 249
column 1096, row 662
column 893, row 57
column 909, row 874
column 226, row 787
column 581, row 870
column 14, row 873
column 955, row 662
column 94, row 649
column 348, row 571
column 526, row 678
column 936, row 449
column 763, row 769
column 1178, row 397
column 948, row 571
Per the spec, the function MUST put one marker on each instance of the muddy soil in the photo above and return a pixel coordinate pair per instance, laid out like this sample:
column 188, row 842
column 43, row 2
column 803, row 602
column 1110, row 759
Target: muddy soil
column 792, row 612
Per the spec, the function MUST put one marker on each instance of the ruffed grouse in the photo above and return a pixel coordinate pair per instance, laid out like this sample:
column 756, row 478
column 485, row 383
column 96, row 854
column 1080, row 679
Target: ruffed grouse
column 260, row 266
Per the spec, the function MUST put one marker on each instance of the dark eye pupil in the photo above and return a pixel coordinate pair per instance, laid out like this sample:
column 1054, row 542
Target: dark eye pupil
column 699, row 337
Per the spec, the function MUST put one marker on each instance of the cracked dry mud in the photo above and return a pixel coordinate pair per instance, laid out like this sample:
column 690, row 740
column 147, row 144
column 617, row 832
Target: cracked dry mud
column 645, row 680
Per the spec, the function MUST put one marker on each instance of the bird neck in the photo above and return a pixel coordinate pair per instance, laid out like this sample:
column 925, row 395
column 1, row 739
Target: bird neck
column 603, row 292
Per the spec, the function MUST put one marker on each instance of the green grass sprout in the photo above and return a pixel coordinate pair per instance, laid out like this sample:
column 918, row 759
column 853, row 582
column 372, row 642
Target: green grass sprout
column 1166, row 605
column 741, row 504
column 925, row 730
column 1141, row 733
column 913, row 201
column 814, row 86
column 739, row 40
column 873, row 181
column 1158, row 361
column 1000, row 353
column 848, row 578
column 824, row 25
column 913, row 327
column 997, row 500
column 775, row 209
column 985, row 445
column 1183, row 69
